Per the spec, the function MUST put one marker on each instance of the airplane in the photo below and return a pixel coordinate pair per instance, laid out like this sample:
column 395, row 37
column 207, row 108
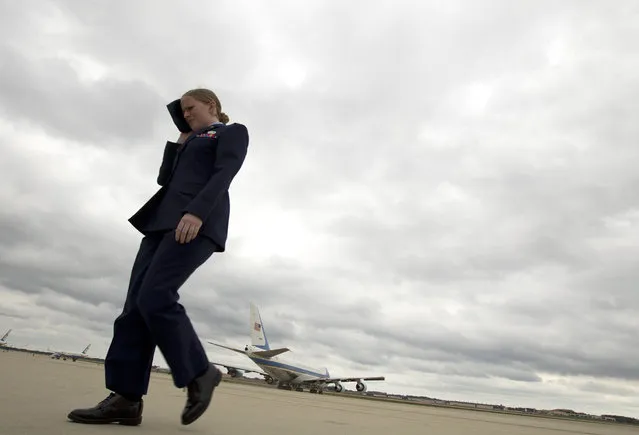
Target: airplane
column 287, row 374
column 3, row 340
column 72, row 355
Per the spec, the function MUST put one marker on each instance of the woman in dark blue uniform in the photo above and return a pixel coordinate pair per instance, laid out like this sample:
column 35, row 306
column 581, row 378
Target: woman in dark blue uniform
column 183, row 224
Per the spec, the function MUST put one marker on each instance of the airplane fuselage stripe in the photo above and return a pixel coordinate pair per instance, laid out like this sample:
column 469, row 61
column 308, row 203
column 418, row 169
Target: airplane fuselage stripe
column 299, row 370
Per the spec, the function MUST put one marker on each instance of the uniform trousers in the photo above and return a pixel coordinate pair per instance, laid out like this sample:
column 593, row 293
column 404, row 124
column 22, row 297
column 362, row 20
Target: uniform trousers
column 152, row 316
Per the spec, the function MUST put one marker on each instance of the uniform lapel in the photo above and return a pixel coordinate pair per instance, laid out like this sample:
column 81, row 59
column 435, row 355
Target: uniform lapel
column 195, row 133
column 188, row 139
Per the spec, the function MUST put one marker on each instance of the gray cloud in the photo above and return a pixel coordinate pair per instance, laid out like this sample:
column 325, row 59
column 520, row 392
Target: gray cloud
column 443, row 195
column 48, row 93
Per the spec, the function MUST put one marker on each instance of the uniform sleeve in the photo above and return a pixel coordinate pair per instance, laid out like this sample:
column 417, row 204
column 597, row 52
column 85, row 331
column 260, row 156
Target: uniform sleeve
column 170, row 151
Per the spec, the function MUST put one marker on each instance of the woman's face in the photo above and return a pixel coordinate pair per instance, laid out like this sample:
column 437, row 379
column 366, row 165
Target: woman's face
column 196, row 113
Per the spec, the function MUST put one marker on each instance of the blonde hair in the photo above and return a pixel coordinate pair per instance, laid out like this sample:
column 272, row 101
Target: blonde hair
column 207, row 96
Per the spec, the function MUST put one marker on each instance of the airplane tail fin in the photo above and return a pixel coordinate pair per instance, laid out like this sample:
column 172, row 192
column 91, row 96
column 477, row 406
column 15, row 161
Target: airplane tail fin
column 258, row 336
column 271, row 352
column 86, row 349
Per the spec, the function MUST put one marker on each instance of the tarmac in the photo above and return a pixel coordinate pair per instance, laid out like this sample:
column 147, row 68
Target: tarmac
column 36, row 394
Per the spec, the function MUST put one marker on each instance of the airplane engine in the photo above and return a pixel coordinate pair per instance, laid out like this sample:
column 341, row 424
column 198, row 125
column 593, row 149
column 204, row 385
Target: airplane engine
column 269, row 380
column 339, row 387
column 235, row 373
column 361, row 387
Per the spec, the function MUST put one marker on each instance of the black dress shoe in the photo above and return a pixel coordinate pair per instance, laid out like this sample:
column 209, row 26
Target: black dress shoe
column 199, row 394
column 113, row 409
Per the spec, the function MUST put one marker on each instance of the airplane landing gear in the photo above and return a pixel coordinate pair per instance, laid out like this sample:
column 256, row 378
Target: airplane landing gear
column 284, row 386
column 315, row 389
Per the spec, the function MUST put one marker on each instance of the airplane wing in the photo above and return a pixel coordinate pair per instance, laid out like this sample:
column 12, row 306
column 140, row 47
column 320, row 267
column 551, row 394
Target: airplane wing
column 244, row 369
column 243, row 352
column 352, row 379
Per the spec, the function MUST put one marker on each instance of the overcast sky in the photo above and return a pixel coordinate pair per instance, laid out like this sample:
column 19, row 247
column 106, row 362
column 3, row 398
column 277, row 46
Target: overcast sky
column 441, row 192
